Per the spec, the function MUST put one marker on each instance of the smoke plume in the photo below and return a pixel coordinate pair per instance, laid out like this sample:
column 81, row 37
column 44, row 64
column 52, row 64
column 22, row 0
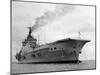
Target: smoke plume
column 49, row 16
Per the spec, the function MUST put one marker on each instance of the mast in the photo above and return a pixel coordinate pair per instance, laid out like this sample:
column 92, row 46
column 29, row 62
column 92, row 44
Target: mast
column 79, row 35
column 38, row 39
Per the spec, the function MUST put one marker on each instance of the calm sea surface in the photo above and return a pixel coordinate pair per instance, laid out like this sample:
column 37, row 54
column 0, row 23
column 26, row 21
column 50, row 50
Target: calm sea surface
column 33, row 68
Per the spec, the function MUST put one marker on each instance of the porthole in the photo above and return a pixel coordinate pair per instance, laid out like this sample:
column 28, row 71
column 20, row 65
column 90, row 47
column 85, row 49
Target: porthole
column 79, row 51
column 74, row 51
column 74, row 47
column 33, row 55
column 54, row 47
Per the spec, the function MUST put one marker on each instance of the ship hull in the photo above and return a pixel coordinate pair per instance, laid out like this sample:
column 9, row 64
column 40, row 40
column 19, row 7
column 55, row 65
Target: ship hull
column 61, row 51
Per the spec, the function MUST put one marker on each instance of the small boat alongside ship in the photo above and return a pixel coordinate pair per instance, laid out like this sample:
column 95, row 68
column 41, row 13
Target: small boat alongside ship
column 64, row 50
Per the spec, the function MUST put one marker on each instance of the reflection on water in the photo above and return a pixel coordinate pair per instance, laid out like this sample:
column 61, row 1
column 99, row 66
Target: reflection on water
column 33, row 68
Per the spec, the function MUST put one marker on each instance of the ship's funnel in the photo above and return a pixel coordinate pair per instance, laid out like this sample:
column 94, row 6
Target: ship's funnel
column 30, row 30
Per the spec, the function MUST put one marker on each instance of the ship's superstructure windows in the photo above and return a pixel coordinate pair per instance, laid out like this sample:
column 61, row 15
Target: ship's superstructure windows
column 55, row 48
column 33, row 55
column 74, row 46
column 73, row 52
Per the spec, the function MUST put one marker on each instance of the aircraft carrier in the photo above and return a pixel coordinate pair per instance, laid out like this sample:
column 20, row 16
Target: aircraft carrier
column 64, row 50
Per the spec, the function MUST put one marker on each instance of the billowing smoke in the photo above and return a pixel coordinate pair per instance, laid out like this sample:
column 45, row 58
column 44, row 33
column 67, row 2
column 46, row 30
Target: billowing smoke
column 50, row 16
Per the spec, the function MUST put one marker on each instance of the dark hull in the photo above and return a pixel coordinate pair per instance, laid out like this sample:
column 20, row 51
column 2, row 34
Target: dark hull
column 61, row 51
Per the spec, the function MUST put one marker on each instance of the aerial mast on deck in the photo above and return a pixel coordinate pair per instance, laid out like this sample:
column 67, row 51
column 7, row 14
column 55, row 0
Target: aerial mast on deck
column 79, row 35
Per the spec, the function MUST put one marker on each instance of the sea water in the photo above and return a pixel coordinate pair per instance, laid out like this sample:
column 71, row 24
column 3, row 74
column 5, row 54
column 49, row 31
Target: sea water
column 51, row 67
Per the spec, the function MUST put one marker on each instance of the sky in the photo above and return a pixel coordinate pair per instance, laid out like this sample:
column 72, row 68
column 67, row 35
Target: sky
column 53, row 22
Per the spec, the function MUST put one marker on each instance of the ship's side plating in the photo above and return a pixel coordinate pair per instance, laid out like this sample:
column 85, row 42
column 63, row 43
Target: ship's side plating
column 63, row 50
